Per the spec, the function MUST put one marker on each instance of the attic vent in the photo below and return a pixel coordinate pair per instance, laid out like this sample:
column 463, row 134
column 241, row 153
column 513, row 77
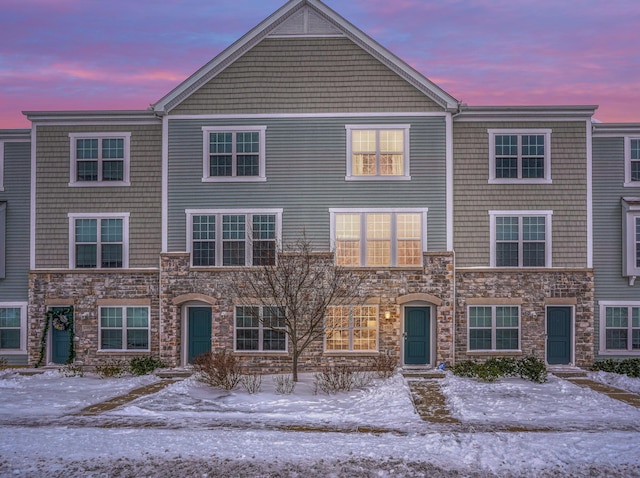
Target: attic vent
column 306, row 22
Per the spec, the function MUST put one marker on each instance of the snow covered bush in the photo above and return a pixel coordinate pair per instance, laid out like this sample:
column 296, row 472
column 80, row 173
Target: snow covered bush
column 528, row 368
column 251, row 383
column 112, row 368
column 284, row 384
column 144, row 365
column 629, row 367
column 340, row 378
column 3, row 363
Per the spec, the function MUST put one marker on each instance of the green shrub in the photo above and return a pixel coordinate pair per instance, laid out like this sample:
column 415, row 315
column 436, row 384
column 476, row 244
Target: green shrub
column 3, row 363
column 528, row 368
column 144, row 365
column 531, row 368
column 630, row 366
column 112, row 368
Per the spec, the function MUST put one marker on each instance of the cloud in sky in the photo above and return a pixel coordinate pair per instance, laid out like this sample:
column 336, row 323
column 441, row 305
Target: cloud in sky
column 91, row 54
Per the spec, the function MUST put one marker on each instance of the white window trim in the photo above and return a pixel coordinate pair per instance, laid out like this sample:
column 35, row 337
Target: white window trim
column 89, row 215
column 73, row 182
column 492, row 156
column 406, row 176
column 521, row 213
column 627, row 163
column 124, row 328
column 203, row 212
column 2, row 143
column 630, row 212
column 350, row 328
column 23, row 328
column 207, row 178
column 261, row 329
column 394, row 240
column 603, row 327
column 494, row 328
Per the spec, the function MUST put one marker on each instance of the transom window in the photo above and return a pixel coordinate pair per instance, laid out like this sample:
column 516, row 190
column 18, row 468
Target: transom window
column 519, row 156
column 234, row 153
column 377, row 152
column 351, row 328
column 494, row 327
column 100, row 159
column 11, row 329
column 124, row 328
column 620, row 327
column 230, row 238
column 378, row 238
column 260, row 328
column 99, row 241
column 520, row 239
column 632, row 161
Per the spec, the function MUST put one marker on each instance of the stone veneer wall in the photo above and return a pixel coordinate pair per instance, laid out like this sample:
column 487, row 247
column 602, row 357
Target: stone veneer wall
column 536, row 289
column 179, row 280
column 84, row 290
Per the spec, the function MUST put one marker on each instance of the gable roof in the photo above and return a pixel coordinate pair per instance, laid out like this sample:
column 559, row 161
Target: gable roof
column 303, row 18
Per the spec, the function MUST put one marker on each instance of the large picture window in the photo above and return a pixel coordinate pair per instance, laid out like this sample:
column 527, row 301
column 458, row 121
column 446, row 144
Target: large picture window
column 494, row 327
column 124, row 328
column 521, row 156
column 99, row 241
column 260, row 328
column 377, row 152
column 619, row 328
column 100, row 159
column 351, row 328
column 233, row 238
column 520, row 238
column 374, row 238
column 235, row 153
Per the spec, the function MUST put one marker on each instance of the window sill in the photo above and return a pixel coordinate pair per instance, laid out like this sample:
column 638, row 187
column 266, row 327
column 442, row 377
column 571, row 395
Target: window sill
column 125, row 351
column 99, row 184
column 12, row 352
column 235, row 179
column 485, row 353
column 520, row 181
column 632, row 184
column 377, row 178
column 619, row 352
column 251, row 353
column 352, row 353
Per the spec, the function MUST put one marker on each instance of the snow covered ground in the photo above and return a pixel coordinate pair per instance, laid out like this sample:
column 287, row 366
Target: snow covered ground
column 190, row 429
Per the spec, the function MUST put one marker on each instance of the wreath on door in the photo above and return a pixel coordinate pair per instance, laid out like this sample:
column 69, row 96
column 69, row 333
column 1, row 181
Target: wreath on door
column 62, row 319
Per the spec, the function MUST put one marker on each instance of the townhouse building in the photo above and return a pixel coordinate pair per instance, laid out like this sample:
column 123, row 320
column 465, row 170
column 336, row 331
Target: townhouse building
column 470, row 226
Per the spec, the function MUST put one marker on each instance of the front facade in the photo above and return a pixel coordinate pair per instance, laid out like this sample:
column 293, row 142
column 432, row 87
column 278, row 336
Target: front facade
column 616, row 230
column 471, row 227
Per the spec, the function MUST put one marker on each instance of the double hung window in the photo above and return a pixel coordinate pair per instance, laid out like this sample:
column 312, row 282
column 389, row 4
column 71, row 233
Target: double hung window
column 234, row 153
column 100, row 159
column 99, row 241
column 631, row 238
column 494, row 327
column 233, row 238
column 374, row 238
column 521, row 156
column 260, row 328
column 377, row 152
column 632, row 161
column 124, row 328
column 619, row 327
column 13, row 328
column 520, row 238
column 351, row 328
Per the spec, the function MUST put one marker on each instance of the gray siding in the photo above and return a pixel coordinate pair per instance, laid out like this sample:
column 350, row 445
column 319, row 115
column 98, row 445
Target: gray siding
column 55, row 199
column 306, row 75
column 566, row 196
column 16, row 194
column 305, row 168
column 608, row 189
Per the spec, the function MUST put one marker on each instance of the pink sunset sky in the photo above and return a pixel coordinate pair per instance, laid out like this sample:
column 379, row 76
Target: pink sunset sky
column 127, row 54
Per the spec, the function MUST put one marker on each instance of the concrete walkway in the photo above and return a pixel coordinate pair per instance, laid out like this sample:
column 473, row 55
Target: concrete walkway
column 134, row 394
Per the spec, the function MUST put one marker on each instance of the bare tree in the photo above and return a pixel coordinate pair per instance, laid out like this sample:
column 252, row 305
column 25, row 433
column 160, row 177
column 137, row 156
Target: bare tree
column 296, row 289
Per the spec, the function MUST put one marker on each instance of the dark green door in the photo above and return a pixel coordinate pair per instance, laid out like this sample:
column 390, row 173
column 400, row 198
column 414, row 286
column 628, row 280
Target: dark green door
column 199, row 340
column 417, row 335
column 60, row 343
column 558, row 335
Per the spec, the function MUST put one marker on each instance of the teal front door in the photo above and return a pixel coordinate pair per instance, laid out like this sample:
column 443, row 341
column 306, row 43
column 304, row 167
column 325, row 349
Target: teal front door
column 558, row 335
column 199, row 332
column 417, row 335
column 60, row 343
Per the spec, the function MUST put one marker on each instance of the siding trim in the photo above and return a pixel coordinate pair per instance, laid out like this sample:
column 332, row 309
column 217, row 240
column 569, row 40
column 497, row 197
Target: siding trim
column 32, row 212
column 589, row 197
column 303, row 115
column 449, row 180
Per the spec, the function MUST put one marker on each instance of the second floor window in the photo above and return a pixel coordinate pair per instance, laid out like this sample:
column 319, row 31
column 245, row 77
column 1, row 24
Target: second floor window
column 520, row 239
column 632, row 161
column 378, row 238
column 99, row 241
column 230, row 238
column 100, row 159
column 631, row 237
column 521, row 156
column 377, row 152
column 234, row 153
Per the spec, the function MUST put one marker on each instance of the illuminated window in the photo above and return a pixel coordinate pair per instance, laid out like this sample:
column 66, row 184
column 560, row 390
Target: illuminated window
column 351, row 328
column 377, row 152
